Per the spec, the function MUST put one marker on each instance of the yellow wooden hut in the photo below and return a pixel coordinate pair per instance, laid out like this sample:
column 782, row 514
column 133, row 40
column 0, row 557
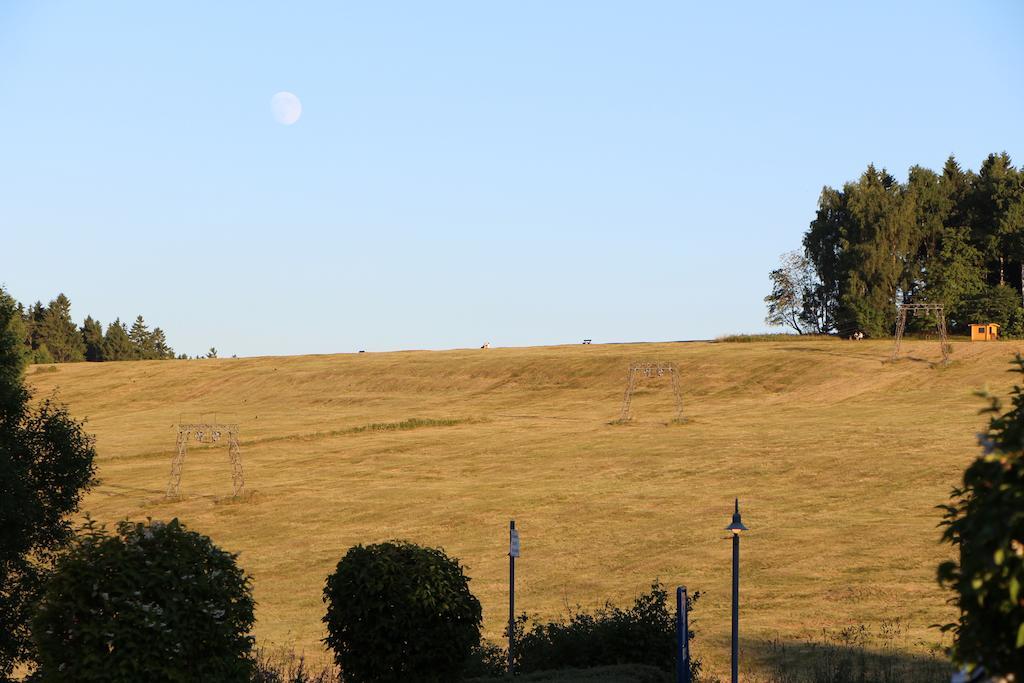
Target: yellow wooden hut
column 984, row 332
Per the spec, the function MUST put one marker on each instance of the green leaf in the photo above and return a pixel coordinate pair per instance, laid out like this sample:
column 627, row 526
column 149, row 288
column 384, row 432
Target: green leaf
column 1020, row 636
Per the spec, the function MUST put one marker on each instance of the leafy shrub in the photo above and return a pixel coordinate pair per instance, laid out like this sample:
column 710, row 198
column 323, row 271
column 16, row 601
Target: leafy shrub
column 155, row 602
column 399, row 612
column 985, row 521
column 643, row 634
column 46, row 464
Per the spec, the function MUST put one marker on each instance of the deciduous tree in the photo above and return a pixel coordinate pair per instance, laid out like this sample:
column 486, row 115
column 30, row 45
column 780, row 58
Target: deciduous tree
column 46, row 463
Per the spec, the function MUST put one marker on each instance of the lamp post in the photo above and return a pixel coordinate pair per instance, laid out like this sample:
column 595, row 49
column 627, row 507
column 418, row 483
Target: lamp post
column 736, row 527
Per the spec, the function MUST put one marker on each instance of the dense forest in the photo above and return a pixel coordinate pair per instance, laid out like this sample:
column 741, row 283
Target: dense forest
column 955, row 238
column 49, row 335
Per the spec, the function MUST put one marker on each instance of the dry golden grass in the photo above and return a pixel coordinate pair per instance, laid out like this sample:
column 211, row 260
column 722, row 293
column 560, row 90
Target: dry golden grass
column 838, row 459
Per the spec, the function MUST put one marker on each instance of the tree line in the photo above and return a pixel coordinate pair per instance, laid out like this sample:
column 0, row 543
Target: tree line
column 954, row 237
column 49, row 335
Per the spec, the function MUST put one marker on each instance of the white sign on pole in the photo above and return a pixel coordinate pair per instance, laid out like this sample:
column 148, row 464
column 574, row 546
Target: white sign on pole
column 513, row 546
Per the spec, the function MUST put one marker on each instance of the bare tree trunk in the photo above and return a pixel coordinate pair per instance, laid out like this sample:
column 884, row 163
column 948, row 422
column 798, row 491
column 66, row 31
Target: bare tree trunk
column 1002, row 275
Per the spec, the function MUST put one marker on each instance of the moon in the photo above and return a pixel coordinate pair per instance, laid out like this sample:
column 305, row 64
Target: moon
column 285, row 108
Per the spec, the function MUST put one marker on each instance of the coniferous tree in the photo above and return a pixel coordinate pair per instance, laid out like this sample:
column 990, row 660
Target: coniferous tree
column 60, row 334
column 142, row 340
column 116, row 344
column 995, row 192
column 34, row 323
column 92, row 336
column 16, row 327
column 163, row 351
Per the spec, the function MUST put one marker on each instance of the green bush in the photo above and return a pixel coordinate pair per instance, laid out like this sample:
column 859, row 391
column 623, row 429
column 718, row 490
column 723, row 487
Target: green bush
column 46, row 465
column 400, row 612
column 985, row 522
column 155, row 602
column 643, row 634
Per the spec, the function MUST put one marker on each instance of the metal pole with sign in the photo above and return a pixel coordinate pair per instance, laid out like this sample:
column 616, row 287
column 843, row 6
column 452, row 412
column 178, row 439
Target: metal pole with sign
column 513, row 553
column 682, row 641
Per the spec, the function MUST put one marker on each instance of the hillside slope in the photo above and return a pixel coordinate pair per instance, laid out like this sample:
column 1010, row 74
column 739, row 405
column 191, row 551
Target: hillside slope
column 838, row 459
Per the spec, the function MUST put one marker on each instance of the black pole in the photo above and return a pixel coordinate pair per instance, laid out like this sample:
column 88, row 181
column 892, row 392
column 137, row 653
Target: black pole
column 682, row 644
column 735, row 604
column 511, row 599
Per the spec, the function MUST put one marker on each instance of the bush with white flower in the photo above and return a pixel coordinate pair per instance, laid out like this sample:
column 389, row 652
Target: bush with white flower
column 153, row 602
column 985, row 524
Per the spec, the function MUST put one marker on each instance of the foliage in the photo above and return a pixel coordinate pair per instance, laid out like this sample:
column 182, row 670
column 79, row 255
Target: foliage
column 154, row 602
column 946, row 238
column 49, row 336
column 92, row 337
column 46, row 463
column 985, row 523
column 397, row 611
column 994, row 304
column 798, row 300
column 642, row 634
column 59, row 333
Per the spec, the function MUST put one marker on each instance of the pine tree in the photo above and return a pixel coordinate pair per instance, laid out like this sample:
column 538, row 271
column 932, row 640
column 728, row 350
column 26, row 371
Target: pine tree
column 92, row 337
column 116, row 344
column 60, row 335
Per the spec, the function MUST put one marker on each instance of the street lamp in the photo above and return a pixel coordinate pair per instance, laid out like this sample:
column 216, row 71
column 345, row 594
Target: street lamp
column 736, row 527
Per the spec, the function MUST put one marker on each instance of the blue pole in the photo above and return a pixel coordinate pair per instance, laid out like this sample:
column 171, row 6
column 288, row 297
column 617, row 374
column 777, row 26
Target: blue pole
column 511, row 602
column 682, row 642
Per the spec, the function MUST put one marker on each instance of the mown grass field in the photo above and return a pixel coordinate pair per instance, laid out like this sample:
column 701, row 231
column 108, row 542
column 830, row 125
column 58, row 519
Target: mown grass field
column 838, row 458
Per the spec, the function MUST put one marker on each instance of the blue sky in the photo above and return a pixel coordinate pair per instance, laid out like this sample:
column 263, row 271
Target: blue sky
column 524, row 172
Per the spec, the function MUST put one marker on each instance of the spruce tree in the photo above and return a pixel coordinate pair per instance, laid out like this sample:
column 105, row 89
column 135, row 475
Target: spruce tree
column 142, row 340
column 116, row 344
column 60, row 335
column 163, row 351
column 92, row 336
column 34, row 322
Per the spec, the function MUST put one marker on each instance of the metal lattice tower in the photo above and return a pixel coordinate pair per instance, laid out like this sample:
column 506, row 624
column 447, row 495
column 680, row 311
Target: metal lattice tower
column 207, row 432
column 637, row 370
column 935, row 310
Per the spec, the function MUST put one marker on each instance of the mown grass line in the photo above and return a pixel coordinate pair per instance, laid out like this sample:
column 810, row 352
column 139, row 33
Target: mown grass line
column 404, row 425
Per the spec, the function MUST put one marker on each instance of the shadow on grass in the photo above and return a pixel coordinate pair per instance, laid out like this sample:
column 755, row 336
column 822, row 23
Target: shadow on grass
column 851, row 655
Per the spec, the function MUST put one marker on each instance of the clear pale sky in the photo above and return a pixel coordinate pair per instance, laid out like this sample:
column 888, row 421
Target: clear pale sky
column 525, row 172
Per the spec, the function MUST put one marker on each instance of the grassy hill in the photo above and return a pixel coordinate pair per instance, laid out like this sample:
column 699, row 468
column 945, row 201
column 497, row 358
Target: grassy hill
column 838, row 459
